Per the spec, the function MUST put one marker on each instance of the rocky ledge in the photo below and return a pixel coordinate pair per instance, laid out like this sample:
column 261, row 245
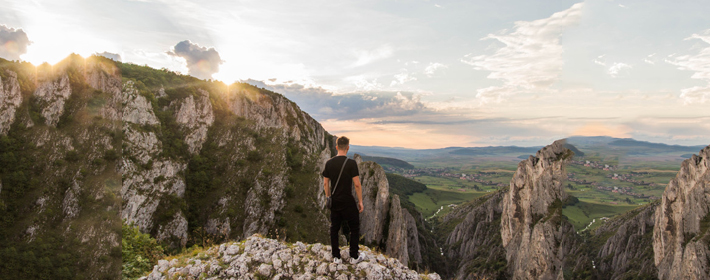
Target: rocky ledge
column 263, row 258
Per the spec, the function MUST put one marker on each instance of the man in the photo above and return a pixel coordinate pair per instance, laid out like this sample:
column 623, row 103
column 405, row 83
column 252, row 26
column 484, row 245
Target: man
column 344, row 207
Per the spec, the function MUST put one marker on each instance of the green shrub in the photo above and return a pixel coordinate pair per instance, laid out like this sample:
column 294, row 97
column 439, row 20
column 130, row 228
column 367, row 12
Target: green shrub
column 72, row 156
column 139, row 252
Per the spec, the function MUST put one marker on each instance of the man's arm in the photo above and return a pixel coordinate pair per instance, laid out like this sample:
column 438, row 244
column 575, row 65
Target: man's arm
column 326, row 186
column 358, row 189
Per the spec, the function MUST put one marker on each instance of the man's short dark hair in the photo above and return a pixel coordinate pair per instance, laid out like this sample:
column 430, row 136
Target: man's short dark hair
column 343, row 142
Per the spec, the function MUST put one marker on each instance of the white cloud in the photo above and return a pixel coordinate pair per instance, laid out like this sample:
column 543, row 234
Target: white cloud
column 432, row 67
column 361, row 83
column 600, row 60
column 623, row 6
column 402, row 78
column 365, row 57
column 650, row 59
column 618, row 68
column 531, row 58
column 437, row 5
column 700, row 63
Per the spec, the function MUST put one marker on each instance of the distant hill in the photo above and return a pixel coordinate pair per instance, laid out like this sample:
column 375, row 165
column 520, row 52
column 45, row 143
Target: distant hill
column 389, row 161
column 628, row 142
column 574, row 149
column 484, row 151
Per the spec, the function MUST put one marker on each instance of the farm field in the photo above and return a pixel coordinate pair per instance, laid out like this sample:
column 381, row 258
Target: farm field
column 582, row 213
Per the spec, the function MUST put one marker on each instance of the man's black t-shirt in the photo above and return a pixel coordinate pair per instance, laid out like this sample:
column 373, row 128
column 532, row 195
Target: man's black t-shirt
column 343, row 197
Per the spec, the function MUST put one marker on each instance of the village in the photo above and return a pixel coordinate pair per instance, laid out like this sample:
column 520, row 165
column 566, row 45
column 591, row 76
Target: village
column 479, row 177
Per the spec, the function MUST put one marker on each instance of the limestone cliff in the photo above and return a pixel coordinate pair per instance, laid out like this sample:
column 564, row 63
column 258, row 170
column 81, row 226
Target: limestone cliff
column 680, row 235
column 535, row 237
column 384, row 223
column 58, row 154
column 10, row 100
column 627, row 253
column 474, row 248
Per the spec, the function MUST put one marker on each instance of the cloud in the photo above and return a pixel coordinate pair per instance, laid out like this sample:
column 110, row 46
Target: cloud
column 201, row 61
column 432, row 67
column 617, row 68
column 531, row 58
column 323, row 104
column 600, row 60
column 365, row 57
column 112, row 56
column 401, row 78
column 13, row 42
column 700, row 63
column 650, row 59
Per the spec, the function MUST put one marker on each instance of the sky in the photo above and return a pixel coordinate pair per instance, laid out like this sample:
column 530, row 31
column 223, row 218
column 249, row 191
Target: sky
column 415, row 74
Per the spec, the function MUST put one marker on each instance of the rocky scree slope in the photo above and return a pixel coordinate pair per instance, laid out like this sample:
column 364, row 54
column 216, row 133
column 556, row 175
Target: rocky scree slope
column 59, row 145
column 263, row 258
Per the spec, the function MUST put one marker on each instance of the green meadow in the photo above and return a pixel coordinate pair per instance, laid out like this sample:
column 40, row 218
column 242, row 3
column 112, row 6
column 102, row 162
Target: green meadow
column 582, row 213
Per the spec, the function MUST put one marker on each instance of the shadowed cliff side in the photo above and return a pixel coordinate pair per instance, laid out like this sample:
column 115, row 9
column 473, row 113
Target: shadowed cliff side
column 681, row 235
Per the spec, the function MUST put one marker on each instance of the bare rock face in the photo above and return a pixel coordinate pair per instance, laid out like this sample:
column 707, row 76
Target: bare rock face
column 628, row 252
column 196, row 116
column 397, row 236
column 375, row 196
column 52, row 95
column 10, row 99
column 136, row 108
column 680, row 236
column 531, row 232
column 476, row 239
column 149, row 179
column 413, row 247
column 276, row 111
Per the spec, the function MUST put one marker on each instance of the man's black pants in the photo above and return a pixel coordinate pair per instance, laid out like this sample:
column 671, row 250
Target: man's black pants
column 337, row 217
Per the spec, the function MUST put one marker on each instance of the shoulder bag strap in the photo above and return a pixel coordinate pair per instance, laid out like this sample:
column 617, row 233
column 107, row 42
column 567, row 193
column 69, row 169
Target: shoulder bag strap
column 341, row 173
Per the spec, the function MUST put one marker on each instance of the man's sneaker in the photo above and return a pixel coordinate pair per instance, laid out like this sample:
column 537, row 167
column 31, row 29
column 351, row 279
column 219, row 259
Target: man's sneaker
column 337, row 261
column 360, row 258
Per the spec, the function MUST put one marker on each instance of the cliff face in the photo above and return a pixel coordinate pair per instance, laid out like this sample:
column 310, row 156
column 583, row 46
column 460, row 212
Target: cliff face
column 10, row 100
column 474, row 248
column 628, row 251
column 680, row 237
column 204, row 163
column 59, row 147
column 384, row 223
column 535, row 237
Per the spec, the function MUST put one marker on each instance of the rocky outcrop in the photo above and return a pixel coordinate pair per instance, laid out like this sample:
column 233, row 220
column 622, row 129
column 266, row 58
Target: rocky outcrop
column 375, row 196
column 136, row 108
column 10, row 99
column 474, row 248
column 414, row 247
column 262, row 258
column 397, row 233
column 196, row 116
column 271, row 110
column 535, row 238
column 628, row 251
column 384, row 223
column 680, row 235
column 51, row 96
